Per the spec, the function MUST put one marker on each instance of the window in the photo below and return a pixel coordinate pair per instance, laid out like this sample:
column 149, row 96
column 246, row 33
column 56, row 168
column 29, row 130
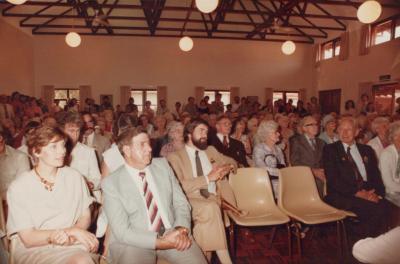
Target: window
column 141, row 96
column 285, row 96
column 385, row 31
column 381, row 33
column 63, row 95
column 225, row 96
column 331, row 49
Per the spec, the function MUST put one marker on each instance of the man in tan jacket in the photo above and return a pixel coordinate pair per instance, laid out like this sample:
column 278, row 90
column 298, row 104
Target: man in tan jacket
column 201, row 170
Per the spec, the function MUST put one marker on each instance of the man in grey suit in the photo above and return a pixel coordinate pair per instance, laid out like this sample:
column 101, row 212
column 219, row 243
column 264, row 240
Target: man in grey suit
column 147, row 211
column 306, row 150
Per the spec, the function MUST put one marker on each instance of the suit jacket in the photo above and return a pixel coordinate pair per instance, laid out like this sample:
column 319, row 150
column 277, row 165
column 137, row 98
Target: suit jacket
column 127, row 213
column 302, row 154
column 235, row 150
column 191, row 185
column 340, row 176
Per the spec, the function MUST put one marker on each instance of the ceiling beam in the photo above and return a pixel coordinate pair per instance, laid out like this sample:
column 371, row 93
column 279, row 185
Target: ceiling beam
column 221, row 12
column 170, row 36
column 196, row 21
column 184, row 9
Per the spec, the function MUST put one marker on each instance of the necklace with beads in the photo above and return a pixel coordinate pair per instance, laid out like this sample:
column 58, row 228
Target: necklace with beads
column 47, row 185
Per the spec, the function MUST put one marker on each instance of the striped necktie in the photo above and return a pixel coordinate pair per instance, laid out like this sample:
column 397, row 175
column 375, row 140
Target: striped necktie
column 156, row 223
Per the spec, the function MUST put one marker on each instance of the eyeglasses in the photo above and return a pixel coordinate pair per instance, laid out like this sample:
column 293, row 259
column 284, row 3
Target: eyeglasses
column 312, row 124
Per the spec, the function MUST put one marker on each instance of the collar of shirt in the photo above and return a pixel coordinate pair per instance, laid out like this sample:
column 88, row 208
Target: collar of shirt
column 221, row 137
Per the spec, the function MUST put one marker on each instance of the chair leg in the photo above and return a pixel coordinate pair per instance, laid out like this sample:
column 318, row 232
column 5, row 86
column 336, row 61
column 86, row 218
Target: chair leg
column 298, row 238
column 289, row 240
column 345, row 239
column 232, row 238
column 339, row 239
column 272, row 236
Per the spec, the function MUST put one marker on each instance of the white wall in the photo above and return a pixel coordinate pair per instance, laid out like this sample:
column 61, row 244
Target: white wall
column 106, row 63
column 16, row 60
column 347, row 75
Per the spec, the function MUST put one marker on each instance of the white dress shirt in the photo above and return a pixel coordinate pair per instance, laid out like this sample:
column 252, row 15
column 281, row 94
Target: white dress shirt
column 134, row 173
column 355, row 154
column 84, row 160
column 205, row 165
column 221, row 138
column 376, row 144
column 113, row 158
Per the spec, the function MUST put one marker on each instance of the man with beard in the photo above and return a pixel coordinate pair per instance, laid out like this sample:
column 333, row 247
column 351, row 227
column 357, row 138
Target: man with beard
column 147, row 211
column 201, row 170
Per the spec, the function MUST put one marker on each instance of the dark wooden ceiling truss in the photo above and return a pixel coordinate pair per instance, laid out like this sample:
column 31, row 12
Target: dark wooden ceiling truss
column 302, row 21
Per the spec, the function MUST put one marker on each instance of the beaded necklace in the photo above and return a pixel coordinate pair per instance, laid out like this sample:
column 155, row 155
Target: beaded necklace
column 47, row 185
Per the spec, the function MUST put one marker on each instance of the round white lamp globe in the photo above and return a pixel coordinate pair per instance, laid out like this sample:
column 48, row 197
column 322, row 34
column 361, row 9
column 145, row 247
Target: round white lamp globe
column 17, row 2
column 206, row 6
column 288, row 47
column 369, row 11
column 73, row 39
column 186, row 44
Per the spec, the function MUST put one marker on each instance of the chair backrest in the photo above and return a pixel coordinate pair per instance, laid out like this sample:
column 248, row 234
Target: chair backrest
column 297, row 187
column 252, row 189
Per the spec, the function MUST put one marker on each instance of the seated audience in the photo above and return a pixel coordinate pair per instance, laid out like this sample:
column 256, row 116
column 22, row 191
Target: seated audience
column 144, row 124
column 150, row 218
column 92, row 139
column 82, row 158
column 12, row 163
column 49, row 206
column 239, row 132
column 380, row 127
column 285, row 131
column 201, row 170
column 267, row 154
column 354, row 181
column 390, row 165
column 350, row 108
column 383, row 249
column 329, row 134
column 227, row 145
column 175, row 139
column 306, row 150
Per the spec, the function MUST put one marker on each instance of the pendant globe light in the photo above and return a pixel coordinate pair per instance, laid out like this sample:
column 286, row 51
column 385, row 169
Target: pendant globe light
column 186, row 43
column 288, row 47
column 206, row 6
column 17, row 2
column 369, row 11
column 73, row 39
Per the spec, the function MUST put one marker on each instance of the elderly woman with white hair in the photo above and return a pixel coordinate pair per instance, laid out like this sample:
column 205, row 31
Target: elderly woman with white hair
column 267, row 154
column 380, row 126
column 175, row 138
column 390, row 165
column 329, row 125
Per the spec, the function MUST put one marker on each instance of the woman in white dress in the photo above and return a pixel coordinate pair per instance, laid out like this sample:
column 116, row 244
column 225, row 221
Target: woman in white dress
column 49, row 206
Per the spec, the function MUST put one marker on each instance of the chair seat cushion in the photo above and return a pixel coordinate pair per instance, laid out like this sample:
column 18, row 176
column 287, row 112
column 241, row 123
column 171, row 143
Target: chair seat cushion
column 275, row 217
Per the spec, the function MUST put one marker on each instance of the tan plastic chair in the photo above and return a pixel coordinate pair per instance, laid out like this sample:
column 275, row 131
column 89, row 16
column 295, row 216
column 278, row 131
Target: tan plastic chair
column 253, row 192
column 299, row 199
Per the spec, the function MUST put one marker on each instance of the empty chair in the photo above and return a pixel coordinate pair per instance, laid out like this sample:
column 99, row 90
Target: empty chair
column 253, row 192
column 299, row 199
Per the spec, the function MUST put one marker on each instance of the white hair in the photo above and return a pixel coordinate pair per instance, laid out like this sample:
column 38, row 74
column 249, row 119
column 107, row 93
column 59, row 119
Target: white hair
column 265, row 128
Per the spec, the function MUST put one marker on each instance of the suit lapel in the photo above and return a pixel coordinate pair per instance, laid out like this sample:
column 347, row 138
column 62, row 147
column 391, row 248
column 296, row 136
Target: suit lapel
column 129, row 191
column 307, row 145
column 187, row 164
column 155, row 172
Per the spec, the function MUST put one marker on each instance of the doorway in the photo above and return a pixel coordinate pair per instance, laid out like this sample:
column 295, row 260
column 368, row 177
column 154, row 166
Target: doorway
column 330, row 101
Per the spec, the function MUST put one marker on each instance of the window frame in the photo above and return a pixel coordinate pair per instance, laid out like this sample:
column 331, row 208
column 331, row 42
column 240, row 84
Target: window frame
column 144, row 98
column 215, row 91
column 284, row 98
column 394, row 21
column 68, row 94
column 334, row 43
